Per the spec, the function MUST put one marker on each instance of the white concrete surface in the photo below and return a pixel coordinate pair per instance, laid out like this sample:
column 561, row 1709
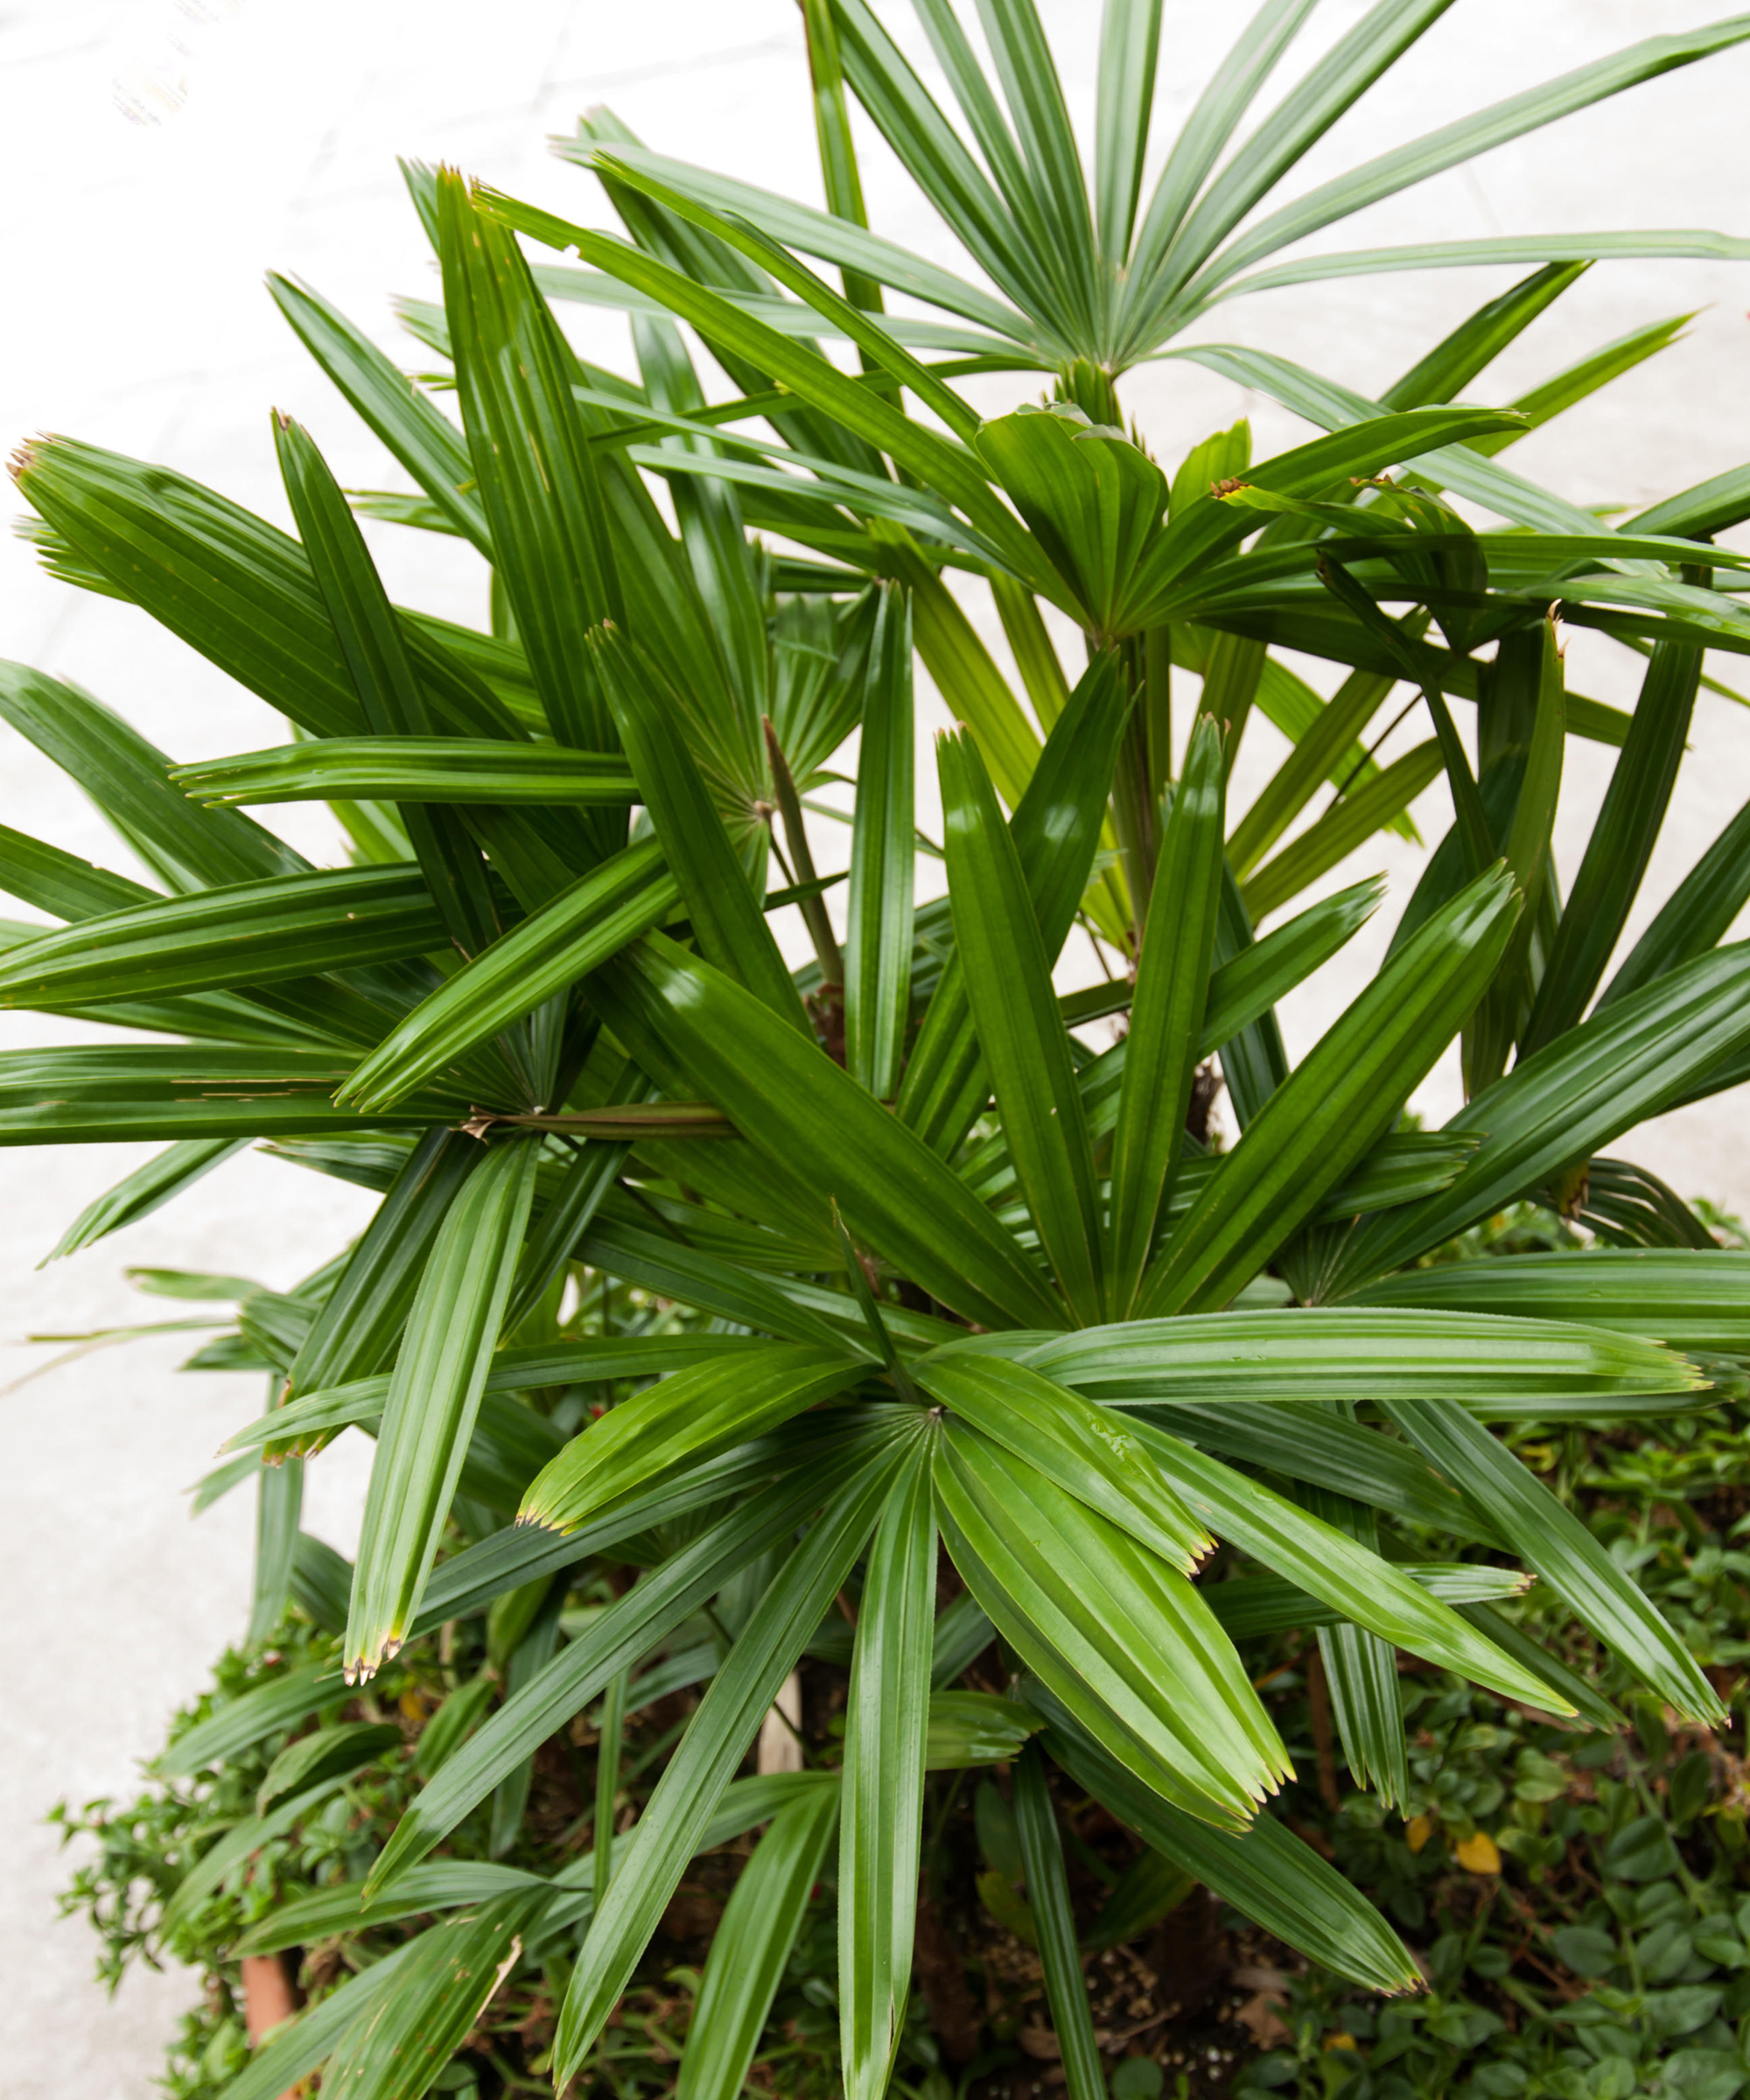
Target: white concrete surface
column 155, row 159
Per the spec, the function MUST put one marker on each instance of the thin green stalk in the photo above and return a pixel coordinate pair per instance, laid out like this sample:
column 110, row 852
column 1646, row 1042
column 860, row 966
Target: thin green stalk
column 1133, row 799
column 813, row 909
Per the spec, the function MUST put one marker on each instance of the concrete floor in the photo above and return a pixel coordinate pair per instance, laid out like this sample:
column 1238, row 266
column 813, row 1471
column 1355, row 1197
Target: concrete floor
column 157, row 159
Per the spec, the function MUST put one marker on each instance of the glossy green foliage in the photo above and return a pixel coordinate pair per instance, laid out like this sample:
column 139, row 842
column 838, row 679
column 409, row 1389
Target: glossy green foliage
column 452, row 1327
column 971, row 1295
column 888, row 1742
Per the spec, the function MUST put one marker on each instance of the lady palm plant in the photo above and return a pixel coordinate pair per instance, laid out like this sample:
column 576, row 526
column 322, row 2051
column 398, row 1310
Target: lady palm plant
column 970, row 1298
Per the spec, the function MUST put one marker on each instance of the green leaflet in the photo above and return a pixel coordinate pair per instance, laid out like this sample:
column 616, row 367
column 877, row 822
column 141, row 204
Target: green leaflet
column 420, row 437
column 691, row 1414
column 230, row 586
column 1324, row 734
column 1210, row 527
column 1528, row 849
column 249, row 932
column 1213, row 118
column 527, row 1648
column 1362, row 1670
column 940, row 464
column 1579, row 1690
column 1020, row 1031
column 445, row 1885
column 1053, row 1920
column 330, row 1016
column 1459, row 466
column 962, row 1632
column 1264, row 1871
column 329, row 1753
column 279, row 1503
column 1008, row 227
column 1117, row 1633
column 243, row 1722
column 619, row 1638
column 1625, row 1206
column 1330, row 86
column 593, row 1171
column 589, row 920
column 147, row 1189
column 1641, row 1055
column 321, row 1583
column 885, row 1756
column 380, row 665
column 1306, row 1441
column 967, row 677
column 698, row 1278
column 1166, row 1014
column 61, row 883
column 1579, row 380
column 1620, row 845
column 538, row 480
column 1253, row 979
column 412, row 769
column 97, row 1093
column 1254, row 1061
column 837, row 147
column 1691, row 1299
column 973, row 1727
column 404, row 2037
column 512, row 1370
column 797, row 1107
column 301, row 2045
column 1316, row 1353
column 434, row 1395
column 1345, row 1094
column 1056, row 830
column 1077, row 1446
column 1034, row 650
column 1350, row 824
column 205, row 569
column 881, row 349
column 359, row 1323
column 1548, row 1535
column 726, row 916
column 752, row 1944
column 1129, row 45
column 1454, row 361
column 1270, row 1603
column 1696, row 917
column 1050, row 197
column 1093, row 499
column 1454, row 142
column 882, row 860
column 834, row 239
column 1322, row 1559
column 126, row 777
column 717, row 1738
column 1711, row 507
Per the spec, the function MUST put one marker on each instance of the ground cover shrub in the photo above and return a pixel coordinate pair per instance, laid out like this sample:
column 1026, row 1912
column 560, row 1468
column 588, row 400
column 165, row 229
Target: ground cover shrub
column 991, row 1344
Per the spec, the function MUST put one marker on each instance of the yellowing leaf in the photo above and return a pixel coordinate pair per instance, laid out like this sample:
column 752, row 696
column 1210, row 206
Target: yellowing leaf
column 1479, row 1854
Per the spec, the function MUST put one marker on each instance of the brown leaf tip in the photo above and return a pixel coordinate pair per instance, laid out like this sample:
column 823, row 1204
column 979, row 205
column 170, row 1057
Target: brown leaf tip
column 26, row 456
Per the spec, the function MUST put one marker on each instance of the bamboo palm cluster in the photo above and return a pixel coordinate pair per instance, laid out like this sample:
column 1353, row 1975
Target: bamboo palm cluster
column 973, row 1295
